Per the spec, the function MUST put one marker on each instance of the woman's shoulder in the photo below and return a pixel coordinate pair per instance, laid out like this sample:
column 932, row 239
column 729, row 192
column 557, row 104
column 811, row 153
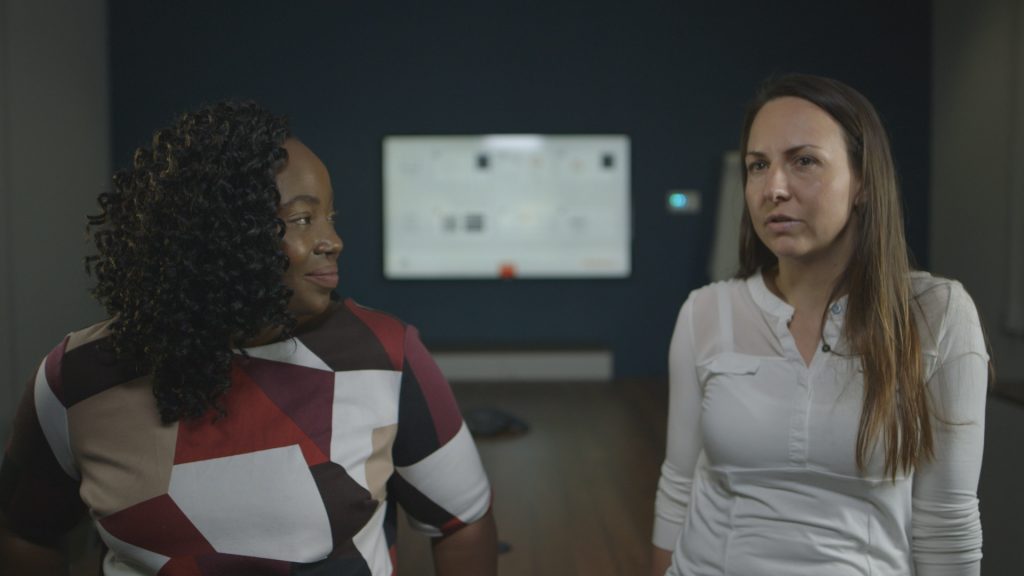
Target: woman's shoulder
column 923, row 282
column 703, row 308
column 346, row 312
column 365, row 311
column 946, row 312
column 351, row 334
column 938, row 296
column 84, row 364
column 88, row 335
column 385, row 325
column 709, row 293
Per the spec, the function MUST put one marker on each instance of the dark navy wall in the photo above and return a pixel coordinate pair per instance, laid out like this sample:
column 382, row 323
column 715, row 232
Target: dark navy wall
column 674, row 76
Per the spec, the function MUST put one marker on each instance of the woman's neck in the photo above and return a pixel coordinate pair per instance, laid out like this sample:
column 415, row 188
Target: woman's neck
column 805, row 286
column 266, row 336
column 273, row 334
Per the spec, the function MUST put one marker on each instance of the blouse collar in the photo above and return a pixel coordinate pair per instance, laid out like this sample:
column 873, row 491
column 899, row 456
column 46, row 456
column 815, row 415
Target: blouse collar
column 770, row 303
column 766, row 299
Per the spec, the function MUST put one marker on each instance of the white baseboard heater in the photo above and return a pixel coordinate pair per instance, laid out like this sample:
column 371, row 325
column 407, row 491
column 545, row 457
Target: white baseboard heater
column 589, row 365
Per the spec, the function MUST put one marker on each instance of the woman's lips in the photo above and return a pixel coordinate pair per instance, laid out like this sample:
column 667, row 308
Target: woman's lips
column 781, row 223
column 326, row 277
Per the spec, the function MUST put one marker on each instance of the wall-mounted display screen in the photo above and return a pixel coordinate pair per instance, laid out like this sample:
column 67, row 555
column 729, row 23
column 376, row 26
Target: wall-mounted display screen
column 506, row 206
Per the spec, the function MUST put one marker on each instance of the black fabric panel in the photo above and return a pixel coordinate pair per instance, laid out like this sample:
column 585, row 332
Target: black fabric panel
column 38, row 499
column 391, row 521
column 349, row 505
column 217, row 564
column 417, row 435
column 335, row 566
column 416, row 504
column 344, row 342
column 92, row 368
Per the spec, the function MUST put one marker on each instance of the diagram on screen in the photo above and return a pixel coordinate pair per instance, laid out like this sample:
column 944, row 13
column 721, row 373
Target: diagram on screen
column 506, row 206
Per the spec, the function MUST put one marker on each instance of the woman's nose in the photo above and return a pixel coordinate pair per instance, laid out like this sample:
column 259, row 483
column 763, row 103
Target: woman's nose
column 776, row 186
column 330, row 244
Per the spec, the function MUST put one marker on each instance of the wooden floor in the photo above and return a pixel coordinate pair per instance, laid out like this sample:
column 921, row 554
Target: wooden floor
column 575, row 494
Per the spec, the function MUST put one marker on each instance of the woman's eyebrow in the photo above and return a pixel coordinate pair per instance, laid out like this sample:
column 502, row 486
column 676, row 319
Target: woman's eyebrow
column 787, row 152
column 301, row 198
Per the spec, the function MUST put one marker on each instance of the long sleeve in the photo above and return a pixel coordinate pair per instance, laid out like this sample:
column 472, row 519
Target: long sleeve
column 684, row 441
column 946, row 523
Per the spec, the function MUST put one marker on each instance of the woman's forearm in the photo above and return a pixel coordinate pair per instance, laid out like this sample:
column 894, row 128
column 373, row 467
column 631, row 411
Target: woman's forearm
column 19, row 556
column 472, row 551
column 661, row 559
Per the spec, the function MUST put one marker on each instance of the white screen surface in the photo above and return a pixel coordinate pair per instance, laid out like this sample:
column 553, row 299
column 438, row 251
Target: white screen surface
column 506, row 206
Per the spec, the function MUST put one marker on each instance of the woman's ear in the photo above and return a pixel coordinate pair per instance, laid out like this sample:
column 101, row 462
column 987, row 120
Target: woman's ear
column 858, row 195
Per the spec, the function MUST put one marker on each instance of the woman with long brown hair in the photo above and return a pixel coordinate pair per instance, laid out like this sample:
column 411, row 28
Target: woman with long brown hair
column 826, row 411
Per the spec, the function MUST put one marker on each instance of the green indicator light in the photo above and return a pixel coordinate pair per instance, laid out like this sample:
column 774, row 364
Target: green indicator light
column 677, row 200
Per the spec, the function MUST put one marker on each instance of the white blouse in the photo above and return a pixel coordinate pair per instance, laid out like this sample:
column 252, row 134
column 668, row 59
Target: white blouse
column 760, row 475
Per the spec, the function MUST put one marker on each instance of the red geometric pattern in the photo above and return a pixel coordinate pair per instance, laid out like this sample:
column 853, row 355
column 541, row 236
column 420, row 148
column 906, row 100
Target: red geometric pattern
column 174, row 535
column 253, row 423
column 444, row 411
column 235, row 480
column 53, row 372
column 305, row 395
column 387, row 329
column 184, row 566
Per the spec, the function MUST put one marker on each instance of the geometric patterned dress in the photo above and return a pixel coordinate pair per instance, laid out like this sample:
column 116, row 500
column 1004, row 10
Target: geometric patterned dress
column 324, row 435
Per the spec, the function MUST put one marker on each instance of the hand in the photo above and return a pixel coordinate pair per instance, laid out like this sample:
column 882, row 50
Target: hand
column 661, row 559
column 19, row 556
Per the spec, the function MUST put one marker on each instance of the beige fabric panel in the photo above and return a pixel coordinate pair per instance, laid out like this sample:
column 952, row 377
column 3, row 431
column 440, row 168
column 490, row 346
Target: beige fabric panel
column 90, row 334
column 110, row 432
column 380, row 466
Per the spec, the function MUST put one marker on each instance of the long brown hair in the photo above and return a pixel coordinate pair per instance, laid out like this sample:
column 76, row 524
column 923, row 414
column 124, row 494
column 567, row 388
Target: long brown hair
column 879, row 325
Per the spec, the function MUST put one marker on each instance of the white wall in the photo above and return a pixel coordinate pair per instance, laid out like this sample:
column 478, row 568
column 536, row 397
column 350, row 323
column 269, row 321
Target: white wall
column 977, row 104
column 978, row 68
column 1000, row 492
column 54, row 160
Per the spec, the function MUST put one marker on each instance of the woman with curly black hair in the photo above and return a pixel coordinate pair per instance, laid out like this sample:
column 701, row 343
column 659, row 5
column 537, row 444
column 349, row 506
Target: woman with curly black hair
column 231, row 416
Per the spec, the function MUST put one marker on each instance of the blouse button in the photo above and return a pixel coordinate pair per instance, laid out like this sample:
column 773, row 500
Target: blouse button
column 837, row 308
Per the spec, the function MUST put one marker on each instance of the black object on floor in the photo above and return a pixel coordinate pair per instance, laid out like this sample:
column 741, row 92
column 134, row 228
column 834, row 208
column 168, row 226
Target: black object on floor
column 490, row 422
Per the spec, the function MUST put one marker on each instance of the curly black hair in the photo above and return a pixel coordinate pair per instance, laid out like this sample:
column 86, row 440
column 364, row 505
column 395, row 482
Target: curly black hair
column 189, row 256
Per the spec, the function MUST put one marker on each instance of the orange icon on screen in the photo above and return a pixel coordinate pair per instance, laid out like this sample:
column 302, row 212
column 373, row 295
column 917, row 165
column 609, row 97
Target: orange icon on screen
column 507, row 271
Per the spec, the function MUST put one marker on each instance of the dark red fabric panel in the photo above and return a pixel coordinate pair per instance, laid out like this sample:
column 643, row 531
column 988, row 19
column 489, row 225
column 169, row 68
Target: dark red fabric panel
column 53, row 370
column 180, row 567
column 174, row 535
column 305, row 395
column 253, row 423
